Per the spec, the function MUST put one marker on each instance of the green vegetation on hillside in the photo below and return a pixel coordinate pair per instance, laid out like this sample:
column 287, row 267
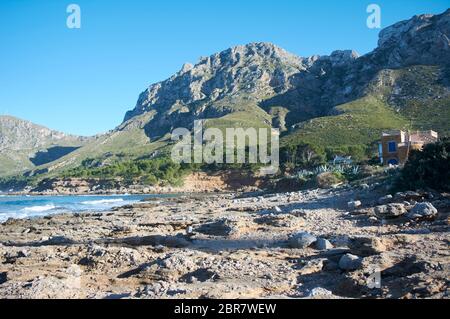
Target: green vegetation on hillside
column 354, row 131
column 146, row 172
column 421, row 94
column 427, row 168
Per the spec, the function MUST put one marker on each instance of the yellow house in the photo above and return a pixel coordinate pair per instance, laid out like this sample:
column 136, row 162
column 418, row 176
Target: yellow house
column 396, row 145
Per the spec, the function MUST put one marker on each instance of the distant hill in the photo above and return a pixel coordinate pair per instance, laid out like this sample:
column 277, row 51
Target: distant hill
column 24, row 145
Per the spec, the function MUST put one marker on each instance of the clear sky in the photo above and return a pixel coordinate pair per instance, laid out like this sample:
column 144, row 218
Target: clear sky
column 81, row 81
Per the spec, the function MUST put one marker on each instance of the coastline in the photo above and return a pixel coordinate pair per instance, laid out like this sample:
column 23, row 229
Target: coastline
column 228, row 246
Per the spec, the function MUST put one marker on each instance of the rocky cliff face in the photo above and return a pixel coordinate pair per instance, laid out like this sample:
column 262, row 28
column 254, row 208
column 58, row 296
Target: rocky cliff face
column 218, row 85
column 271, row 77
column 256, row 69
column 424, row 39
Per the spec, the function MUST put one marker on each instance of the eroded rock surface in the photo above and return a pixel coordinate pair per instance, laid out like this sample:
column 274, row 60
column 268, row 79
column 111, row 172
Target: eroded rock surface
column 231, row 246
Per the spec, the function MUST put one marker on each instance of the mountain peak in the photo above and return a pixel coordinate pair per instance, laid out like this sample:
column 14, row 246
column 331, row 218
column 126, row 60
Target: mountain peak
column 263, row 72
column 256, row 69
column 423, row 39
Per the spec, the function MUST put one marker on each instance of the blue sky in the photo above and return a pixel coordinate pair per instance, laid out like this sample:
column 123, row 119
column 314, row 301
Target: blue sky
column 81, row 81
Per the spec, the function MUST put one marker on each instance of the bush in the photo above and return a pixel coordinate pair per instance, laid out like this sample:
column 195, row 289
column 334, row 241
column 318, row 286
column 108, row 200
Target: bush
column 147, row 171
column 301, row 155
column 427, row 168
column 328, row 179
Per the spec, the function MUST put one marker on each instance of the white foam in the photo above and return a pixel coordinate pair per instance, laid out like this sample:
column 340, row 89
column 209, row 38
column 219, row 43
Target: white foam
column 37, row 209
column 103, row 201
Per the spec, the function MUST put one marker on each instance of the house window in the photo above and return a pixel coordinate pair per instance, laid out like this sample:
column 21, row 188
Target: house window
column 392, row 147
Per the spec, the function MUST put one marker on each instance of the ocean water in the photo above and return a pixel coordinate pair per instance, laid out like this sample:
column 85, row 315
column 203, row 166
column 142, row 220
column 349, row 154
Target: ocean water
column 38, row 206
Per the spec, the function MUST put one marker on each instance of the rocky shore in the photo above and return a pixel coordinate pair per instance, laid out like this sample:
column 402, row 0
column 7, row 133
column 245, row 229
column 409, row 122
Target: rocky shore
column 340, row 243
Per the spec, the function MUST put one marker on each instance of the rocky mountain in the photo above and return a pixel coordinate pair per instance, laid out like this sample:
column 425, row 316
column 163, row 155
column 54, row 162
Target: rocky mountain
column 343, row 99
column 289, row 88
column 223, row 83
column 24, row 145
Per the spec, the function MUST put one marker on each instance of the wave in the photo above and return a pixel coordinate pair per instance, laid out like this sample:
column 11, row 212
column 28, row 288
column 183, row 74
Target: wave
column 37, row 209
column 102, row 201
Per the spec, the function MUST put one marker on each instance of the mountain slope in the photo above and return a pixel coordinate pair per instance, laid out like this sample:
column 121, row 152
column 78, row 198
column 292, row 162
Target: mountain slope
column 24, row 145
column 292, row 89
column 339, row 100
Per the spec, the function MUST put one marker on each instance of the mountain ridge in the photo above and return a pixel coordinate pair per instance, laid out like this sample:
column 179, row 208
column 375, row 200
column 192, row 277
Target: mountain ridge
column 407, row 75
column 22, row 142
column 267, row 74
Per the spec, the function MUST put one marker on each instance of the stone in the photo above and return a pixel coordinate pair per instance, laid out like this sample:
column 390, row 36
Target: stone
column 412, row 196
column 57, row 241
column 422, row 211
column 373, row 220
column 319, row 291
column 284, row 221
column 364, row 187
column 350, row 262
column 385, row 199
column 277, row 210
column 222, row 227
column 312, row 266
column 354, row 204
column 390, row 211
column 367, row 245
column 23, row 253
column 301, row 240
column 298, row 213
column 323, row 244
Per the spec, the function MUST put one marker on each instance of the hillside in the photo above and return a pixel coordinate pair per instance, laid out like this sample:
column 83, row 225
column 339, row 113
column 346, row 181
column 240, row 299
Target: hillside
column 340, row 100
column 24, row 145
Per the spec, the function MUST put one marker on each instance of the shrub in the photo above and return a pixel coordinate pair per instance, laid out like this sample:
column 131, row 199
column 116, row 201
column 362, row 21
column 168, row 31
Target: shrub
column 328, row 179
column 147, row 171
column 427, row 168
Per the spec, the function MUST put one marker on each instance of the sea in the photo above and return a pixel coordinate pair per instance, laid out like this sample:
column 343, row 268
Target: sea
column 19, row 207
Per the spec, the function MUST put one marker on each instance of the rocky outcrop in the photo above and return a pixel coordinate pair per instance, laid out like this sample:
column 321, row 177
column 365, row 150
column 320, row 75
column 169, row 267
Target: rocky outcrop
column 256, row 69
column 424, row 39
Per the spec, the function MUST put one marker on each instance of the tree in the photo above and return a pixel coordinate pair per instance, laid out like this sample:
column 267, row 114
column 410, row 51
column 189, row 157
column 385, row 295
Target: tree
column 427, row 168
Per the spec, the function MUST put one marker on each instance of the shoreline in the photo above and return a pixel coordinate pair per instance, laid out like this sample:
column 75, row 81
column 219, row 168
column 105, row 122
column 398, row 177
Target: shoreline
column 305, row 244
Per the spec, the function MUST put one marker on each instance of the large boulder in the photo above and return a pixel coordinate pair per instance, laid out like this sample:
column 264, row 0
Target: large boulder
column 354, row 204
column 390, row 211
column 301, row 240
column 349, row 262
column 385, row 200
column 323, row 244
column 422, row 211
column 367, row 246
